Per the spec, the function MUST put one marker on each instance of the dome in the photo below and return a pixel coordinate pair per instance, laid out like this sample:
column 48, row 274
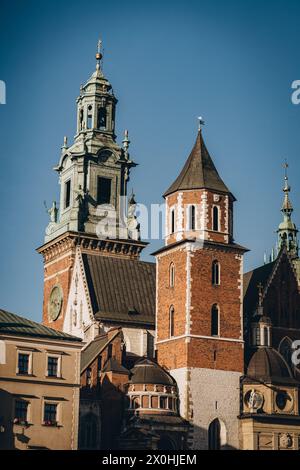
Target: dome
column 148, row 372
column 267, row 364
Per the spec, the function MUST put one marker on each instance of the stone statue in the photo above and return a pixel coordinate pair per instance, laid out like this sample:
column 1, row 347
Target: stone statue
column 53, row 211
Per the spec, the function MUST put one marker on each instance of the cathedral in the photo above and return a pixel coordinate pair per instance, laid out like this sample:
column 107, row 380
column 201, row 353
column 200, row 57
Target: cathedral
column 187, row 352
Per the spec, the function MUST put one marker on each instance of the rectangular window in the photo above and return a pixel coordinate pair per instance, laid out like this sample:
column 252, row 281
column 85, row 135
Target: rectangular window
column 103, row 190
column 67, row 193
column 23, row 363
column 50, row 414
column 52, row 366
column 21, row 408
column 109, row 351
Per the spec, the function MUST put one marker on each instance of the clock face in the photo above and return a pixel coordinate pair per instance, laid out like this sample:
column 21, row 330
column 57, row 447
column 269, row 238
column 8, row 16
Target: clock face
column 55, row 303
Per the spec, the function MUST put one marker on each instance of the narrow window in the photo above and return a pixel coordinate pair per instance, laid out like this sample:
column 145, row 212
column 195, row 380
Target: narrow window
column 101, row 118
column 172, row 221
column 266, row 337
column 109, row 351
column 50, row 414
column 171, row 321
column 214, row 320
column 163, row 402
column 52, row 366
column 21, row 409
column 216, row 273
column 67, row 193
column 172, row 275
column 192, row 217
column 103, row 190
column 23, row 363
column 215, row 218
column 81, row 119
column 89, row 117
column 88, row 373
column 257, row 337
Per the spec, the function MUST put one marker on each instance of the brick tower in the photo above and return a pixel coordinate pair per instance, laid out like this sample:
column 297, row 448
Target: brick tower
column 94, row 214
column 199, row 301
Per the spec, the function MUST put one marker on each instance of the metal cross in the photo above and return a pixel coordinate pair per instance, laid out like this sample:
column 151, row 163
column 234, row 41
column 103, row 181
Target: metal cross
column 201, row 122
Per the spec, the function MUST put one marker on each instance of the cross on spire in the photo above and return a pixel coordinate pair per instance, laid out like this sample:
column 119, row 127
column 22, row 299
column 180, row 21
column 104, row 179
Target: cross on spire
column 201, row 122
column 99, row 54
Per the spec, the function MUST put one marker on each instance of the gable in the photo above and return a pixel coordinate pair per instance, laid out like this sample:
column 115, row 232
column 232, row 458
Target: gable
column 281, row 299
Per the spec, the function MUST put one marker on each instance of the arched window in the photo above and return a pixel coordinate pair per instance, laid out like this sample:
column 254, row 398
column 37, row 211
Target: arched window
column 89, row 117
column 215, row 218
column 172, row 275
column 215, row 320
column 101, row 118
column 216, row 273
column 214, row 435
column 172, row 220
column 171, row 321
column 192, row 218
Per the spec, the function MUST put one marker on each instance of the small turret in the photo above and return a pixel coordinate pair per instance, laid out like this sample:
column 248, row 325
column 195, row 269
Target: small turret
column 287, row 230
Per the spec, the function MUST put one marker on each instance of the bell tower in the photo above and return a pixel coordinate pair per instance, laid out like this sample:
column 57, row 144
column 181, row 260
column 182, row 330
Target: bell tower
column 199, row 335
column 94, row 212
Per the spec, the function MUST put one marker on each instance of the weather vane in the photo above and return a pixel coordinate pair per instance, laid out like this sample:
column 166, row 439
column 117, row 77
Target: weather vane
column 201, row 122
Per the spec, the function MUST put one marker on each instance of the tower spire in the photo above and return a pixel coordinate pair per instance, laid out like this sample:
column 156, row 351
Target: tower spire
column 287, row 230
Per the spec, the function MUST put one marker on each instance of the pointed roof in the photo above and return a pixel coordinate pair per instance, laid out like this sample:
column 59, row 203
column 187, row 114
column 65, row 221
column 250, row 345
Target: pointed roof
column 198, row 172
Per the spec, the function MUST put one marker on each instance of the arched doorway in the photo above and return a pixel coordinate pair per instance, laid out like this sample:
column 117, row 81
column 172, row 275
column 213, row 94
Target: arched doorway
column 217, row 437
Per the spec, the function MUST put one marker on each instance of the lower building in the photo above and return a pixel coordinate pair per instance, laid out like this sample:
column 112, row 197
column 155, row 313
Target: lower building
column 39, row 385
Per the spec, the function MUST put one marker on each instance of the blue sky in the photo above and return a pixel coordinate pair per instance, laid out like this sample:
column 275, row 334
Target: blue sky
column 169, row 62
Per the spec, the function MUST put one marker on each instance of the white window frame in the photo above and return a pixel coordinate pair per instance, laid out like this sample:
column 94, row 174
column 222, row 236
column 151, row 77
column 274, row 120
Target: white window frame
column 53, row 401
column 219, row 218
column 59, row 365
column 30, row 360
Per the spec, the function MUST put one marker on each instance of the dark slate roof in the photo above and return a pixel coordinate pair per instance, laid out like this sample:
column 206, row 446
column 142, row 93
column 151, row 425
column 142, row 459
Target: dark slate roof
column 148, row 372
column 91, row 351
column 12, row 324
column 113, row 365
column 198, row 172
column 267, row 365
column 251, row 281
column 121, row 290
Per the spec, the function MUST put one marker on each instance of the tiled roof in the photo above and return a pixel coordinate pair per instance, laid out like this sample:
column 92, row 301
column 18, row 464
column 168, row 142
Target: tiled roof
column 113, row 365
column 198, row 172
column 121, row 290
column 91, row 351
column 12, row 324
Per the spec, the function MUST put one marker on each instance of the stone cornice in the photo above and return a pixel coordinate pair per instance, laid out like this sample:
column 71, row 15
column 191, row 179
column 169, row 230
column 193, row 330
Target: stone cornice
column 90, row 244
